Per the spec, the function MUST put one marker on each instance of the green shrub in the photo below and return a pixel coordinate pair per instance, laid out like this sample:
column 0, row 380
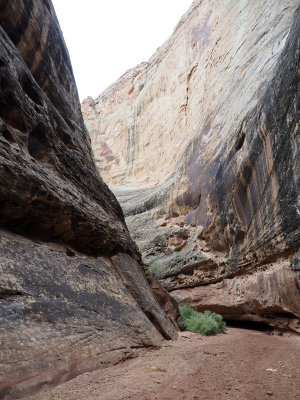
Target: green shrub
column 206, row 323
column 154, row 269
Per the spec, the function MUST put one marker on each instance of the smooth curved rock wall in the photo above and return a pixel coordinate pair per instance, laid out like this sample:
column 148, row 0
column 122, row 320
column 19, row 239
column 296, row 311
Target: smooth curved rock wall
column 73, row 295
column 206, row 158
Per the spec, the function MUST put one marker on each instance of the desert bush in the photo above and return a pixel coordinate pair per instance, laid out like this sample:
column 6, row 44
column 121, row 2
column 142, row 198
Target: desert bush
column 206, row 323
column 154, row 269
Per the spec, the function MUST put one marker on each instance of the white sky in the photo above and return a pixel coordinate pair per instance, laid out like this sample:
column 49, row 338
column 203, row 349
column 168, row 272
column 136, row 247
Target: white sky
column 107, row 37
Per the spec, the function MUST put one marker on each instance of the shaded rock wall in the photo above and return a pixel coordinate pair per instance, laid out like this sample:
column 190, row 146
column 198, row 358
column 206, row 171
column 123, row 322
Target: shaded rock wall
column 206, row 160
column 73, row 296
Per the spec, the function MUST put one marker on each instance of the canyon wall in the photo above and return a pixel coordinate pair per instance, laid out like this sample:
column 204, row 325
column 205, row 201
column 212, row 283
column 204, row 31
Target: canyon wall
column 201, row 147
column 73, row 295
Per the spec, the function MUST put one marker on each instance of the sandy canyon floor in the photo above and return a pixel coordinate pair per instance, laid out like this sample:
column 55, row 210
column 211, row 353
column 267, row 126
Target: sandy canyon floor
column 241, row 364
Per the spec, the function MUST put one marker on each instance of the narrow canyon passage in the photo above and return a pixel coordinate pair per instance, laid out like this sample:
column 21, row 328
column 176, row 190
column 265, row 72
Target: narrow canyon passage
column 185, row 169
column 241, row 364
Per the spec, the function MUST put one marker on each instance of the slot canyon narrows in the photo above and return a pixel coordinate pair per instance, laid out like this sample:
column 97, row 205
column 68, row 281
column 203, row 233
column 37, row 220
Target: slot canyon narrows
column 188, row 165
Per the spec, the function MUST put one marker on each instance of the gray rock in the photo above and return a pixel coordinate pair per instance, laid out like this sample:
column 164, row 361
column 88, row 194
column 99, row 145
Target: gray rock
column 66, row 305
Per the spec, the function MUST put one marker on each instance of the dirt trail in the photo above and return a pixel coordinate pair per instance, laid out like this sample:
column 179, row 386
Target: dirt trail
column 240, row 364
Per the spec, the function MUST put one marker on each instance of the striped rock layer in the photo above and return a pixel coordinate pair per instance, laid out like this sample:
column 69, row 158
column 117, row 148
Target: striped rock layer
column 73, row 295
column 201, row 147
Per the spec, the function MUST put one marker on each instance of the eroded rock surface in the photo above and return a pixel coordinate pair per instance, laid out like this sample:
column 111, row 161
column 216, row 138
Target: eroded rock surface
column 201, row 147
column 73, row 296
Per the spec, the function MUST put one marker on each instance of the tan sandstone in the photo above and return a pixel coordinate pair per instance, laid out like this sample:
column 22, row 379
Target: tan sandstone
column 201, row 146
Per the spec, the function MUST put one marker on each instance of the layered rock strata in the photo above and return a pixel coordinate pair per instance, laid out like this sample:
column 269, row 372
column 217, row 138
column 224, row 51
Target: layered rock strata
column 201, row 147
column 73, row 295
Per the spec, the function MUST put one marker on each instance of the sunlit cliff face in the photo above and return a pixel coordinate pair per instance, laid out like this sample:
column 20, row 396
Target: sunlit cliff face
column 200, row 146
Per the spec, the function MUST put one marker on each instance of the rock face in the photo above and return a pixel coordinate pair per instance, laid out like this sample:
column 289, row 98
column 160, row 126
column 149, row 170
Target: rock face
column 73, row 295
column 201, row 147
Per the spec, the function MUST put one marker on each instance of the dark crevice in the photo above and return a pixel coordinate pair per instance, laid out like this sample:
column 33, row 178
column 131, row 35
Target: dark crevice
column 8, row 136
column 288, row 315
column 156, row 323
column 240, row 141
column 69, row 252
column 6, row 293
column 38, row 144
column 28, row 87
column 65, row 136
column 84, row 269
column 3, row 62
column 10, row 108
column 251, row 325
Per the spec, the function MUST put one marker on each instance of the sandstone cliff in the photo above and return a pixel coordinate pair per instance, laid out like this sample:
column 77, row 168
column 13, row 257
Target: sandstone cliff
column 73, row 296
column 201, row 147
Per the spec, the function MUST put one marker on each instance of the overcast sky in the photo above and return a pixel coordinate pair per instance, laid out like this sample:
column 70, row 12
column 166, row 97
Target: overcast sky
column 107, row 37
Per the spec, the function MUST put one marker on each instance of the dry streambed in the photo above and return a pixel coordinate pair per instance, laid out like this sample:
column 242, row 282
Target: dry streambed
column 240, row 364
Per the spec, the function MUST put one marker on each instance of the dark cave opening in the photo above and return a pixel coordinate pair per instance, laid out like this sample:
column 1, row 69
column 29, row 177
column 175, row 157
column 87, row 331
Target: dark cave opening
column 251, row 325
